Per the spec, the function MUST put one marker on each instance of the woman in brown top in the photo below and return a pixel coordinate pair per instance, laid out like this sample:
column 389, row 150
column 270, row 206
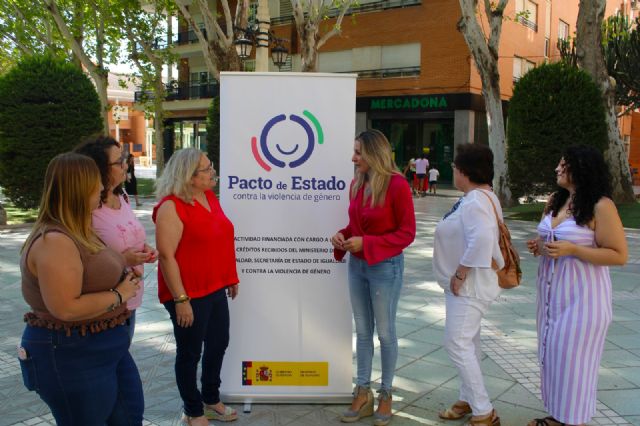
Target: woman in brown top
column 75, row 350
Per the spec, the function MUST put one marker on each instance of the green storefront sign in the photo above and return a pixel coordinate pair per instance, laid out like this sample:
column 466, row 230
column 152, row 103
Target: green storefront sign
column 408, row 103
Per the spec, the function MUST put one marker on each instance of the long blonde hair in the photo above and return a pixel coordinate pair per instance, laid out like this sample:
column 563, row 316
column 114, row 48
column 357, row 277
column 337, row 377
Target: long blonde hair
column 177, row 174
column 69, row 181
column 375, row 150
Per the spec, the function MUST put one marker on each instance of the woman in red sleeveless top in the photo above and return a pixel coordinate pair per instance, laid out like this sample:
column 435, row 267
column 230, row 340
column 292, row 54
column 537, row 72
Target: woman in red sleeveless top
column 197, row 272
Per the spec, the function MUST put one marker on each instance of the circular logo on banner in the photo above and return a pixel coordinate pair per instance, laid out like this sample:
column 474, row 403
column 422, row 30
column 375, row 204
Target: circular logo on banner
column 293, row 156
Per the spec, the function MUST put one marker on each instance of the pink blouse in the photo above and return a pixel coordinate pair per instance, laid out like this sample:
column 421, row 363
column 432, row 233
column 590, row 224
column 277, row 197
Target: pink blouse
column 120, row 230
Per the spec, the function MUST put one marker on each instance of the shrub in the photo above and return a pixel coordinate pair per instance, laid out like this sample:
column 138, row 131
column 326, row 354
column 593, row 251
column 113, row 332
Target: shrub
column 553, row 106
column 47, row 106
column 213, row 133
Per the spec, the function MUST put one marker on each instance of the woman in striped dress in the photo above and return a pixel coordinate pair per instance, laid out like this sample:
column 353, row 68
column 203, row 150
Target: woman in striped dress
column 580, row 235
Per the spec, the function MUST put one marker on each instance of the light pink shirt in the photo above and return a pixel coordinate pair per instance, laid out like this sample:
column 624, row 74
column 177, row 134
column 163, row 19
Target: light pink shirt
column 120, row 230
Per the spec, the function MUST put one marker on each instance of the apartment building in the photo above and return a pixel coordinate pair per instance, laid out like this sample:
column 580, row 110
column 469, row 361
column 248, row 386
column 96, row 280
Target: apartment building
column 127, row 124
column 417, row 82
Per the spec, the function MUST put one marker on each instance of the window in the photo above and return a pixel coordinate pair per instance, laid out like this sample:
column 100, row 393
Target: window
column 520, row 67
column 547, row 47
column 527, row 12
column 563, row 30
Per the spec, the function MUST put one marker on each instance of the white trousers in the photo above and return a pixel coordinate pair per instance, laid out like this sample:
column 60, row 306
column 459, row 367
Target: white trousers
column 462, row 342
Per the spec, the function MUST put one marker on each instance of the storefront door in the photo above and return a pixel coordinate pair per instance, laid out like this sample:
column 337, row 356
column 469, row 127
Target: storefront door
column 410, row 138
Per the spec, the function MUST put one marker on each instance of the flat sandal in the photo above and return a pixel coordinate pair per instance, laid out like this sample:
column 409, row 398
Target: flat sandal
column 547, row 421
column 490, row 420
column 457, row 411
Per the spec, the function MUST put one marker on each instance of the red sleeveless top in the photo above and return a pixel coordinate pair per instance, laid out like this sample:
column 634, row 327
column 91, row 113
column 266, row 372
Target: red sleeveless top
column 206, row 252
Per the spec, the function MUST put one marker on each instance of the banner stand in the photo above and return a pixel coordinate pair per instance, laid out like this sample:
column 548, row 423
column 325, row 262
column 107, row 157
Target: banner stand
column 286, row 142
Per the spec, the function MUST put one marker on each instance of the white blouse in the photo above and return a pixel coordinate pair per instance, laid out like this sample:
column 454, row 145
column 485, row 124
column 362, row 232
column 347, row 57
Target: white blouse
column 469, row 237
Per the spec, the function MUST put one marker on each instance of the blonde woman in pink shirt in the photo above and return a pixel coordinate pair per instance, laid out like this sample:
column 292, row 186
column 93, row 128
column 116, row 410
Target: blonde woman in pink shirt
column 114, row 221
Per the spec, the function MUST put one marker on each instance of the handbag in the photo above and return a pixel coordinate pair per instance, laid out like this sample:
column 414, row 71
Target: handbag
column 510, row 275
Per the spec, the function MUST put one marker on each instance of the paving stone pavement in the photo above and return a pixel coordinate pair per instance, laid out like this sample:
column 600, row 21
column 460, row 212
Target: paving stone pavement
column 426, row 381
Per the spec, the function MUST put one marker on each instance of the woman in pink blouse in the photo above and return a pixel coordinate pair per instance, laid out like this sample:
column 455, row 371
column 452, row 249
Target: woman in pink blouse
column 381, row 224
column 114, row 221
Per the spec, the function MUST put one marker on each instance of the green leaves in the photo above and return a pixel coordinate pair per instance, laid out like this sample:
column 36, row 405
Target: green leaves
column 47, row 106
column 553, row 106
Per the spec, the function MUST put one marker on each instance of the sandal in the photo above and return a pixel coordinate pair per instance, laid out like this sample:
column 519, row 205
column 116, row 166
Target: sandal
column 186, row 420
column 382, row 419
column 365, row 410
column 491, row 419
column 228, row 415
column 547, row 421
column 456, row 411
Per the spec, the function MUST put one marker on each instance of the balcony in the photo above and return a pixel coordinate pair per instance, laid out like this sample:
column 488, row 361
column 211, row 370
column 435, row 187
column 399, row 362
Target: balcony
column 527, row 23
column 358, row 8
column 184, row 90
column 389, row 72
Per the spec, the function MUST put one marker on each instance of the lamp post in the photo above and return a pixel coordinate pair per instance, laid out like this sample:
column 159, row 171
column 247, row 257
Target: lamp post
column 262, row 36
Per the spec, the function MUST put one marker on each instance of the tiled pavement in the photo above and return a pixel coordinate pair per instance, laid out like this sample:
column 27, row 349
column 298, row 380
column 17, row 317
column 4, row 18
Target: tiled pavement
column 426, row 381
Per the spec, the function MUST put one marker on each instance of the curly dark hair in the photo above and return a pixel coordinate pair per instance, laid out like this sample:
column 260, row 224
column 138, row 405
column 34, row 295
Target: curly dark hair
column 475, row 161
column 96, row 147
column 589, row 173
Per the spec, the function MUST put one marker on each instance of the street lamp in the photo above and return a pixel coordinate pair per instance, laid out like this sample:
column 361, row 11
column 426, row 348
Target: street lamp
column 248, row 37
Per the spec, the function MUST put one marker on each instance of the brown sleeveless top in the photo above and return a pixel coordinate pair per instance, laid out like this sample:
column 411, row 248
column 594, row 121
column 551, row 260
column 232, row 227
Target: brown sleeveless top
column 102, row 271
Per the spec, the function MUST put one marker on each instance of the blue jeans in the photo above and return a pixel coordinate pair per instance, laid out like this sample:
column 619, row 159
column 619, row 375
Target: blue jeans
column 132, row 325
column 86, row 380
column 210, row 329
column 375, row 291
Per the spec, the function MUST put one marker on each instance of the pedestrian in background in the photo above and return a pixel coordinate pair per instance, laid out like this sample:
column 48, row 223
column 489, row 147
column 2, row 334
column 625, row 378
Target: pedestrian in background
column 422, row 164
column 114, row 220
column 75, row 347
column 579, row 237
column 465, row 244
column 434, row 174
column 381, row 225
column 131, row 182
column 197, row 272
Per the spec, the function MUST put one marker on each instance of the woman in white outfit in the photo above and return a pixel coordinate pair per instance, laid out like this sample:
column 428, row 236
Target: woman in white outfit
column 466, row 242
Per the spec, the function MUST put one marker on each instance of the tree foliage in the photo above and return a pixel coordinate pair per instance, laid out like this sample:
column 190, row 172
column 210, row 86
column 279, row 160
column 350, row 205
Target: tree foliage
column 621, row 47
column 621, row 42
column 553, row 106
column 216, row 31
column 307, row 16
column 47, row 106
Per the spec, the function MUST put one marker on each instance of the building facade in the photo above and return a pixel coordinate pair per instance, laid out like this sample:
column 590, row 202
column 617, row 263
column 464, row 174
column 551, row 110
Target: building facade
column 127, row 124
column 417, row 81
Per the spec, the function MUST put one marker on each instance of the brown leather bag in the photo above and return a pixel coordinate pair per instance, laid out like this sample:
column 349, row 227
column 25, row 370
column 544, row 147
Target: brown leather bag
column 511, row 275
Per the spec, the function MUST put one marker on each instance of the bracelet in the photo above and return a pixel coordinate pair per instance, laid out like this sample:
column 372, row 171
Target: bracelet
column 183, row 298
column 113, row 290
column 458, row 277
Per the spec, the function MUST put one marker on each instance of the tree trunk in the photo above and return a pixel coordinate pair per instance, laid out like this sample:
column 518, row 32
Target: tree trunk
column 3, row 215
column 591, row 58
column 158, row 126
column 101, row 81
column 309, row 48
column 497, row 141
column 485, row 55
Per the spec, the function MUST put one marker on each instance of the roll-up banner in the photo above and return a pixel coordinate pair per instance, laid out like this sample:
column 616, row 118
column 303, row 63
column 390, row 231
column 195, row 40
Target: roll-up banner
column 286, row 141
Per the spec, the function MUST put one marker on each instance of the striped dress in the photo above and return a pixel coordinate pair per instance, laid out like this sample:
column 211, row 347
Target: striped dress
column 573, row 315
